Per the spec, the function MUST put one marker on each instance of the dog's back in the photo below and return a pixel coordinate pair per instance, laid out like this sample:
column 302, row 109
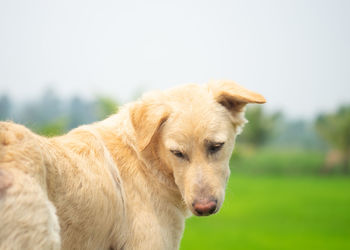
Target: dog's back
column 28, row 218
column 42, row 177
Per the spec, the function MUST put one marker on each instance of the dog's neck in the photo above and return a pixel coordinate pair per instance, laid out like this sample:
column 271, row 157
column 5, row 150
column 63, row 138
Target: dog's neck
column 116, row 134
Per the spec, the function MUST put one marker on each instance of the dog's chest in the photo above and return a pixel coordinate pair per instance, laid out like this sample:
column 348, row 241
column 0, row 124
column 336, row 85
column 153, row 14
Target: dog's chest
column 155, row 223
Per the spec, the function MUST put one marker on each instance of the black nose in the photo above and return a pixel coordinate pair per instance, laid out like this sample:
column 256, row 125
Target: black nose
column 204, row 207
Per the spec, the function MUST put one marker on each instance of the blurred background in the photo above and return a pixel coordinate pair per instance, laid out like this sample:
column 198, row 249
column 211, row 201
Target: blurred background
column 66, row 63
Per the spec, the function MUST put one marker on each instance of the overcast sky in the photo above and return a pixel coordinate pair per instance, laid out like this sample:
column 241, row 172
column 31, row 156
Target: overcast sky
column 296, row 53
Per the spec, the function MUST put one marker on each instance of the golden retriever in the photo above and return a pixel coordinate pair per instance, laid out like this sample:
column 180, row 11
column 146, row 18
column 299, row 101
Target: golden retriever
column 127, row 182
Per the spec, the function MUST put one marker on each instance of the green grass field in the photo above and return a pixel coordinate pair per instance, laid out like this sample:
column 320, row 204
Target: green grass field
column 276, row 212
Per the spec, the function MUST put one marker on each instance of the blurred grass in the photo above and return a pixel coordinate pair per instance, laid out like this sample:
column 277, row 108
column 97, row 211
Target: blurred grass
column 276, row 211
column 277, row 161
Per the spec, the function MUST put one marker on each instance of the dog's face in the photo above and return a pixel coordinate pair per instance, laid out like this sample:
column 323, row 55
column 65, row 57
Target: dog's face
column 193, row 133
column 197, row 144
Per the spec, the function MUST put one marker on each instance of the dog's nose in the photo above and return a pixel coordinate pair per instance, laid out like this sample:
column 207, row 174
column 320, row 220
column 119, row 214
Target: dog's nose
column 204, row 207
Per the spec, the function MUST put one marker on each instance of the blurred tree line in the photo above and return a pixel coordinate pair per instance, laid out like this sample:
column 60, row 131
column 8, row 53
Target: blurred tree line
column 50, row 115
column 321, row 145
column 335, row 129
column 275, row 130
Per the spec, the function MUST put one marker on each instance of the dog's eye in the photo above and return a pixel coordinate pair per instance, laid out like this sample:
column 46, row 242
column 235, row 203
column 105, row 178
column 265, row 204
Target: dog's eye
column 178, row 154
column 215, row 147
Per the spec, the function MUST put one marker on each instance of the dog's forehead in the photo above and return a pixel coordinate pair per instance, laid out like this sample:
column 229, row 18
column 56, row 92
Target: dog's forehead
column 196, row 116
column 194, row 101
column 198, row 125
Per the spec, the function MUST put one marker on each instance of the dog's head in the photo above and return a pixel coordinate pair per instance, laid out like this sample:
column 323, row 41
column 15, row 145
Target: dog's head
column 190, row 131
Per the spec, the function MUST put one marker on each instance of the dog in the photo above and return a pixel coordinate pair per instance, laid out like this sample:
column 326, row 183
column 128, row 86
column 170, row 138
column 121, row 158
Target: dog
column 127, row 182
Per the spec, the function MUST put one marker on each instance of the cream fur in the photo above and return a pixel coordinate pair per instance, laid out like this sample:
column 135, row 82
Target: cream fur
column 115, row 184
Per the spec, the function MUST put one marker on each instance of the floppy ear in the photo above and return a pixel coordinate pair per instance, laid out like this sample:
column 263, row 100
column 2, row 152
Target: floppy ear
column 146, row 120
column 233, row 96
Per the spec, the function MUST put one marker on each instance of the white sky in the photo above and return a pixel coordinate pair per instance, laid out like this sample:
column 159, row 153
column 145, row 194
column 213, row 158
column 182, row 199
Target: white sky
column 296, row 53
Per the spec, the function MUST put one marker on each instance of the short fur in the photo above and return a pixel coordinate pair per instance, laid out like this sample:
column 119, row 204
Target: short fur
column 127, row 182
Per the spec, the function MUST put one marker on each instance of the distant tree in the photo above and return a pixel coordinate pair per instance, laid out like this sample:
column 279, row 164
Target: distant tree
column 47, row 109
column 335, row 129
column 52, row 128
column 297, row 134
column 80, row 112
column 261, row 126
column 5, row 107
column 105, row 107
column 50, row 106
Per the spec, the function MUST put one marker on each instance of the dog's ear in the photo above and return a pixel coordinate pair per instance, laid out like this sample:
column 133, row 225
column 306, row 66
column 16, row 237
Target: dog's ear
column 233, row 96
column 146, row 118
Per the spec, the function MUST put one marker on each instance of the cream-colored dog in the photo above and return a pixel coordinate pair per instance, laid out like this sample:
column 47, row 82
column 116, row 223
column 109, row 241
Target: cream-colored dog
column 127, row 182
